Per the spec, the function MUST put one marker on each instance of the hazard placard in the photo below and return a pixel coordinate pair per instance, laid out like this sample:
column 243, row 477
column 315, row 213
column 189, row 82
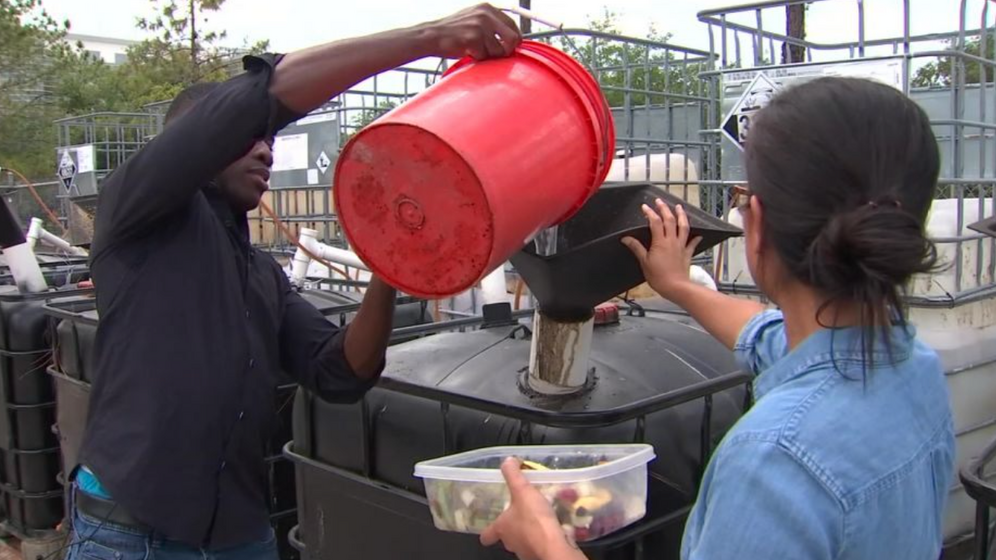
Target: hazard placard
column 323, row 162
column 759, row 92
column 67, row 170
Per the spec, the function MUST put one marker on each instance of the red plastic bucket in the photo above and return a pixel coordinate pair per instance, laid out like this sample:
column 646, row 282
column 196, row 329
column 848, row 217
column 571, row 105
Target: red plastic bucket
column 442, row 190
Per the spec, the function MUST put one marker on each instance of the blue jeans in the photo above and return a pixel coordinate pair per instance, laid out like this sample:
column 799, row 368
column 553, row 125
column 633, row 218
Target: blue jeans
column 94, row 540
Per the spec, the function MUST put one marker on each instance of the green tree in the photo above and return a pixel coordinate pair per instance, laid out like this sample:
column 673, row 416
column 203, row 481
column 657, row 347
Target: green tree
column 360, row 120
column 32, row 52
column 43, row 78
column 183, row 50
column 650, row 71
column 941, row 72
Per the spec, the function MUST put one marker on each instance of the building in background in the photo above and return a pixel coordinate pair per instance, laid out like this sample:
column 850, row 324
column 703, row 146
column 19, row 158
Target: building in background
column 109, row 49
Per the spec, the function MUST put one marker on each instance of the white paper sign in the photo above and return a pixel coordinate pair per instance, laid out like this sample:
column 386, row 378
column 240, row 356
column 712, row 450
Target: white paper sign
column 312, row 176
column 84, row 159
column 290, row 152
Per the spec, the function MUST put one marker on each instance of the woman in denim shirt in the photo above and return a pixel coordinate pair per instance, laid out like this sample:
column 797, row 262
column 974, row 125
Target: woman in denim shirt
column 849, row 450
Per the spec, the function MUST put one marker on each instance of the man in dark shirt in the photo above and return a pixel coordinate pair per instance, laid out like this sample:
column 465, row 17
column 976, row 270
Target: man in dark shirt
column 196, row 324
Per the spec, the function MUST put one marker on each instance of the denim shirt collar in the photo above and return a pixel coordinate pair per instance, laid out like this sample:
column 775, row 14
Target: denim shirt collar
column 846, row 355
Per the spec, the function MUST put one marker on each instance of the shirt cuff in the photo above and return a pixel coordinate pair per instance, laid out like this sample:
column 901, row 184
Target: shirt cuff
column 349, row 387
column 280, row 115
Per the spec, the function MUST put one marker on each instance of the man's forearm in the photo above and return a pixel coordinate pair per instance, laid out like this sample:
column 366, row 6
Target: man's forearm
column 370, row 331
column 306, row 79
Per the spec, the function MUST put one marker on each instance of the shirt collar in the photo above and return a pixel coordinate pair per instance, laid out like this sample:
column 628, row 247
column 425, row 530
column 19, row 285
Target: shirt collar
column 841, row 350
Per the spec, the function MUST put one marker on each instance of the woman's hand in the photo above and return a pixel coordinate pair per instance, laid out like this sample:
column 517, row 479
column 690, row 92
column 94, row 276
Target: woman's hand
column 529, row 528
column 665, row 264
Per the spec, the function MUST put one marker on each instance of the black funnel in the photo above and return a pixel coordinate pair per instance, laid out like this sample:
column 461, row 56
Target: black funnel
column 590, row 265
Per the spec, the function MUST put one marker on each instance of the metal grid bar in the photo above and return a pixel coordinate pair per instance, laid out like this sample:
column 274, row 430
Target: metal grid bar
column 961, row 112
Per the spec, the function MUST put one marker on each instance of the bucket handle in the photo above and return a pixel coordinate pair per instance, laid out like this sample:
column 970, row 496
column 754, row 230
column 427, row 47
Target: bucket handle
column 529, row 14
column 606, row 155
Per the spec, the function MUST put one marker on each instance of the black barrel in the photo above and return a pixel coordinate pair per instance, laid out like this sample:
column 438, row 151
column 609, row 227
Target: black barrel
column 58, row 271
column 30, row 459
column 657, row 379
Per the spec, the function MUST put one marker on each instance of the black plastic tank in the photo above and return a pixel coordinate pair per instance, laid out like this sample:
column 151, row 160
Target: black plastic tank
column 655, row 377
column 658, row 379
column 58, row 271
column 29, row 450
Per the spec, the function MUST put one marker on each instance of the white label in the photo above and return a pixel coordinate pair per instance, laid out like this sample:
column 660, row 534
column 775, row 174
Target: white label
column 84, row 159
column 312, row 176
column 888, row 72
column 290, row 152
column 319, row 118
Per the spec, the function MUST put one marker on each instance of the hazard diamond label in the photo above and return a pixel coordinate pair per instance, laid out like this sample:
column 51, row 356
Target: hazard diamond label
column 736, row 125
column 67, row 170
column 323, row 162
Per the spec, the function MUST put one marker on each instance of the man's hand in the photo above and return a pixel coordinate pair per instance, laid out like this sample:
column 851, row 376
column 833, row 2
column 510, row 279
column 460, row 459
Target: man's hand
column 665, row 264
column 481, row 32
column 528, row 528
column 306, row 79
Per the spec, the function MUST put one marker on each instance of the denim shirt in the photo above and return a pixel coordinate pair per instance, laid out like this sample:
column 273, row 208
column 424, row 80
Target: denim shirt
column 835, row 460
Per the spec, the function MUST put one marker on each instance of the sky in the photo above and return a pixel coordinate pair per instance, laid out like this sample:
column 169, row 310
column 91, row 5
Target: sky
column 294, row 24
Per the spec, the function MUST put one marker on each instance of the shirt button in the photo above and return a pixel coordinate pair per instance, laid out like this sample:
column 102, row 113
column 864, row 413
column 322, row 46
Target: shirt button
column 223, row 463
column 241, row 414
column 252, row 363
column 247, row 313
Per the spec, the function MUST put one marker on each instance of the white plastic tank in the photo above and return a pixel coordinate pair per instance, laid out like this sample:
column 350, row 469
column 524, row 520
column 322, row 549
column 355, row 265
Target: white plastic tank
column 678, row 174
column 962, row 334
column 676, row 169
column 976, row 256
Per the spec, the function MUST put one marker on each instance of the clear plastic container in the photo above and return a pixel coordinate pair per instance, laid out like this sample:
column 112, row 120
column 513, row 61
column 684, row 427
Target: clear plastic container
column 595, row 490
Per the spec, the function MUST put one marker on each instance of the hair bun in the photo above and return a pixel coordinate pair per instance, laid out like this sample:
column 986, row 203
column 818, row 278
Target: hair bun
column 873, row 245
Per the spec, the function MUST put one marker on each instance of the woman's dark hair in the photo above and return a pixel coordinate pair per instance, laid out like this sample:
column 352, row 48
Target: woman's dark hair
column 845, row 170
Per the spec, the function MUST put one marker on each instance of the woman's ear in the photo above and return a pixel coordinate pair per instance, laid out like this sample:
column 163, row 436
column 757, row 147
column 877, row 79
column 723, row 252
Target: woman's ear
column 753, row 221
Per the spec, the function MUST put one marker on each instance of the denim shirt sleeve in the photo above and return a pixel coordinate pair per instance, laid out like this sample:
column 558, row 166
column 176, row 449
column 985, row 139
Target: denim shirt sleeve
column 762, row 342
column 759, row 501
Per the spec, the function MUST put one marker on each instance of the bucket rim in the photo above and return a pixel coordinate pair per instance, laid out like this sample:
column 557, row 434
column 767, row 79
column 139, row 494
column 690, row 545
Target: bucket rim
column 589, row 95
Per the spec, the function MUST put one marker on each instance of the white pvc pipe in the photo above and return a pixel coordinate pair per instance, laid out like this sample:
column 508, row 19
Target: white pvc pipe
column 38, row 233
column 558, row 357
column 59, row 243
column 339, row 256
column 34, row 232
column 24, row 268
column 299, row 266
column 308, row 239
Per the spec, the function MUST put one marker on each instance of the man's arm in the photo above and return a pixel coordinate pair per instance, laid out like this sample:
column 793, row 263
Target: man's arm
column 370, row 331
column 306, row 79
column 339, row 365
column 162, row 178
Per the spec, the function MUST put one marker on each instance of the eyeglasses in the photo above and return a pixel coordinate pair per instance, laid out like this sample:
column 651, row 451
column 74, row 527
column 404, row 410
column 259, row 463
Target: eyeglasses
column 740, row 197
